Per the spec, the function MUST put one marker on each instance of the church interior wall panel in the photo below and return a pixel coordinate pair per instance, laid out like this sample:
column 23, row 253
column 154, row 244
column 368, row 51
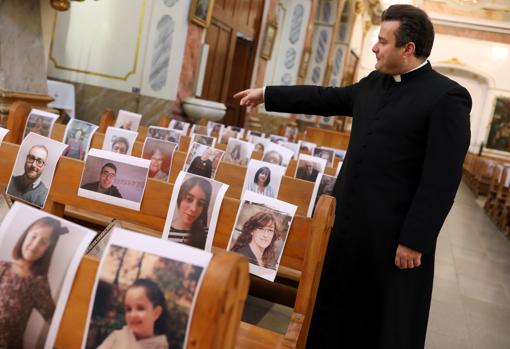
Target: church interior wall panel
column 283, row 67
column 109, row 53
column 165, row 48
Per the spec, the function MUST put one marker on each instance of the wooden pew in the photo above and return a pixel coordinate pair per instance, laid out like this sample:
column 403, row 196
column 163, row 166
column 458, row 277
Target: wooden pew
column 216, row 315
column 327, row 138
column 303, row 253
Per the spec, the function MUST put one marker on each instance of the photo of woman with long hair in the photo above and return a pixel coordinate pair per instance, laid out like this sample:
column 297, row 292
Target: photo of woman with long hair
column 189, row 222
column 24, row 282
column 145, row 316
column 257, row 239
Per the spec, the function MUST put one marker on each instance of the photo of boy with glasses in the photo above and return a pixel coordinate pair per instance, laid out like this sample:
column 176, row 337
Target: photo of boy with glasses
column 105, row 183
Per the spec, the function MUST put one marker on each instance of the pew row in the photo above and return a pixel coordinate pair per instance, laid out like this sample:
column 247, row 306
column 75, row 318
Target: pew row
column 216, row 315
column 303, row 253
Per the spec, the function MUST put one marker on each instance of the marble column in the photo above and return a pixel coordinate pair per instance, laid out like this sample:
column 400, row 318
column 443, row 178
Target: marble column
column 22, row 63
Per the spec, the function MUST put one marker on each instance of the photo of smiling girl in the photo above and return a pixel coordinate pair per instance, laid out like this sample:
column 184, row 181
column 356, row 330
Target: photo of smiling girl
column 39, row 255
column 146, row 316
column 193, row 210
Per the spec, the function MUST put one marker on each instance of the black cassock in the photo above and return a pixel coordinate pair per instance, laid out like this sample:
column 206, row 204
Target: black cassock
column 397, row 185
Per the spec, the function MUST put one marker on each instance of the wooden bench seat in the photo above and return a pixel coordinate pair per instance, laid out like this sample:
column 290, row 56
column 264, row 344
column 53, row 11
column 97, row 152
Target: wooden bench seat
column 304, row 250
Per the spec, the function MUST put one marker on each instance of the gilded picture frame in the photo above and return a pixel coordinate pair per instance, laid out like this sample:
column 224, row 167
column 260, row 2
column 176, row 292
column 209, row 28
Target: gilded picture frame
column 269, row 39
column 201, row 12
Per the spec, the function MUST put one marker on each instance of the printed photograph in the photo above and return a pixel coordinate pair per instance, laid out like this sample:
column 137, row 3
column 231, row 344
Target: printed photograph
column 205, row 140
column 277, row 139
column 291, row 133
column 119, row 141
column 259, row 142
column 114, row 178
column 238, row 129
column 34, row 169
column 179, row 126
column 238, row 152
column 325, row 153
column 263, row 178
column 215, row 128
column 277, row 154
column 260, row 232
column 127, row 120
column 203, row 160
column 144, row 293
column 78, row 136
column 39, row 256
column 291, row 146
column 308, row 167
column 199, row 130
column 306, row 147
column 326, row 187
column 250, row 133
column 164, row 134
column 226, row 134
column 193, row 210
column 40, row 122
column 160, row 153
column 3, row 132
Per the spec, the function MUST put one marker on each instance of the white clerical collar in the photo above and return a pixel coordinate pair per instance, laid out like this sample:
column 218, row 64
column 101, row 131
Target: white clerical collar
column 398, row 78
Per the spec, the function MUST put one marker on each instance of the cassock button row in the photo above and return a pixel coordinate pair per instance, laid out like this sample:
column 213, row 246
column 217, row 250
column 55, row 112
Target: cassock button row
column 369, row 133
column 364, row 146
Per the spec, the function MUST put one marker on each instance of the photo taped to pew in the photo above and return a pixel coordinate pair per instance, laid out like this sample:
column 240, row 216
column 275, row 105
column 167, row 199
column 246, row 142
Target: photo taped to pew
column 203, row 139
column 260, row 232
column 160, row 153
column 263, row 178
column 226, row 134
column 260, row 142
column 78, row 136
column 128, row 120
column 291, row 146
column 326, row 187
column 40, row 122
column 308, row 167
column 277, row 154
column 306, row 147
column 34, row 169
column 215, row 128
column 3, row 132
column 137, row 270
column 165, row 134
column 113, row 178
column 238, row 152
column 179, row 125
column 39, row 256
column 199, row 130
column 203, row 160
column 193, row 211
column 119, row 141
column 325, row 153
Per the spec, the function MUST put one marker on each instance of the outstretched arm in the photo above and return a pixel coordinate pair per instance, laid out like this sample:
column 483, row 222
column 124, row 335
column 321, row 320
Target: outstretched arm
column 251, row 97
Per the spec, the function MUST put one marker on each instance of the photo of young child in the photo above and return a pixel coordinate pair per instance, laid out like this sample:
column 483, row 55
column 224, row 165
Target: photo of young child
column 144, row 293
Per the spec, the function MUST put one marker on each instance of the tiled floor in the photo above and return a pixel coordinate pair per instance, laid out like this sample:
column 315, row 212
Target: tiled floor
column 471, row 298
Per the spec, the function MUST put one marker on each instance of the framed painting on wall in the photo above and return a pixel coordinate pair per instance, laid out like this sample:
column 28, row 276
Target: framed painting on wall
column 498, row 139
column 201, row 12
column 267, row 45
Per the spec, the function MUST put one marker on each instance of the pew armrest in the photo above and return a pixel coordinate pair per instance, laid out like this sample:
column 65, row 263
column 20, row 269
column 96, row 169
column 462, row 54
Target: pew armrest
column 291, row 336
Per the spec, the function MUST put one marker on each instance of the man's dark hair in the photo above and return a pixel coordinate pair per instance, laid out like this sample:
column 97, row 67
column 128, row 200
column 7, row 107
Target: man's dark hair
column 110, row 165
column 415, row 26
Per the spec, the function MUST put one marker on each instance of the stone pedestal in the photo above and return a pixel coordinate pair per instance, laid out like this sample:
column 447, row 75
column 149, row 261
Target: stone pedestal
column 22, row 63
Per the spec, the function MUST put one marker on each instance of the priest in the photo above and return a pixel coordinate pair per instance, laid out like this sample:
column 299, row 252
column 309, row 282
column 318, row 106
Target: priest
column 409, row 136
